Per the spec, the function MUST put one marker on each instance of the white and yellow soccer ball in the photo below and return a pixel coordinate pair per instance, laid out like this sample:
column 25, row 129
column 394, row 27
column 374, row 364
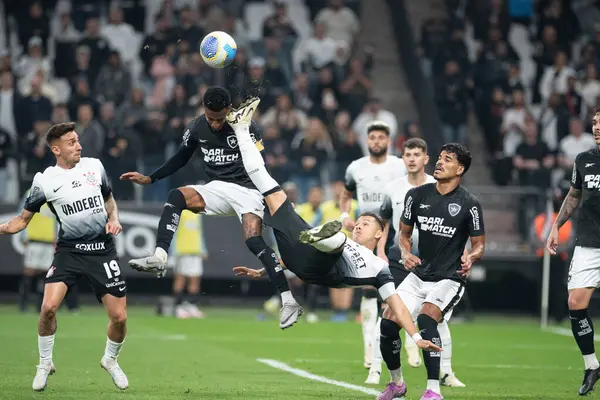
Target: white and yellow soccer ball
column 218, row 49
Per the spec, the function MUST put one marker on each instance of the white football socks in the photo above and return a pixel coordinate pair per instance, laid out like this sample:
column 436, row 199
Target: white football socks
column 45, row 347
column 591, row 362
column 396, row 375
column 331, row 243
column 112, row 349
column 253, row 161
column 446, row 359
column 369, row 315
column 377, row 357
column 161, row 254
column 287, row 297
column 434, row 384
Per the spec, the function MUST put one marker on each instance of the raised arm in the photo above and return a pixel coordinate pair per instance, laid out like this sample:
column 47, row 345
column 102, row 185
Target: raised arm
column 34, row 201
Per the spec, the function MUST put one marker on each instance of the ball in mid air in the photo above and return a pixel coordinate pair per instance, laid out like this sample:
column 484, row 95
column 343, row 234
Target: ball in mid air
column 218, row 49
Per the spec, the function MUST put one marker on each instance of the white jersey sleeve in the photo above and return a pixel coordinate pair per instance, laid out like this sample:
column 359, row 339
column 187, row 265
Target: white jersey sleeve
column 36, row 197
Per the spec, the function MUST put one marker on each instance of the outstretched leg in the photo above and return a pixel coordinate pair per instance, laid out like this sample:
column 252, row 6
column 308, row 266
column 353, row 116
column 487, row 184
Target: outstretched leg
column 254, row 163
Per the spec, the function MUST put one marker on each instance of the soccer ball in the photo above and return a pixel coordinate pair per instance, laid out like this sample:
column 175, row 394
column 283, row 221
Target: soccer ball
column 218, row 49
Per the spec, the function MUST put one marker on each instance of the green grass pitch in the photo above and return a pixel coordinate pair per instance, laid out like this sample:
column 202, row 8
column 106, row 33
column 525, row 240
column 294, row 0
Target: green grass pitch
column 216, row 358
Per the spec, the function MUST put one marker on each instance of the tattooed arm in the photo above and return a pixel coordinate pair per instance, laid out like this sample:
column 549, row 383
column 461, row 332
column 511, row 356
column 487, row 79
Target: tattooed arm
column 569, row 205
column 17, row 223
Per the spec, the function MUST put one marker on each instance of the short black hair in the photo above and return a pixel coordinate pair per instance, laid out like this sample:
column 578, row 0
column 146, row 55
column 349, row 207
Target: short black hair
column 596, row 110
column 59, row 130
column 377, row 218
column 216, row 98
column 378, row 126
column 462, row 154
column 416, row 143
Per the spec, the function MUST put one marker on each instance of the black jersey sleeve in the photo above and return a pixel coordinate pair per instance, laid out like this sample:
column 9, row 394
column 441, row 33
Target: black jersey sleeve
column 349, row 179
column 36, row 197
column 475, row 218
column 386, row 211
column 105, row 187
column 189, row 144
column 409, row 216
column 576, row 176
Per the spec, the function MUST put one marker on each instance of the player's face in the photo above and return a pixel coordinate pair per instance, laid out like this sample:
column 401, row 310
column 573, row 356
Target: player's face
column 216, row 119
column 68, row 148
column 447, row 167
column 378, row 143
column 415, row 159
column 596, row 128
column 366, row 229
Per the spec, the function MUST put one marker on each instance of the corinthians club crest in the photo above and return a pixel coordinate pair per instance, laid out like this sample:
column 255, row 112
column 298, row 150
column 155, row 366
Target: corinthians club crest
column 90, row 178
column 453, row 209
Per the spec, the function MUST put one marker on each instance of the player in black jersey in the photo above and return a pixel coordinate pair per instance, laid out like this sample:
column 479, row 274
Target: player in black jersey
column 228, row 192
column 584, row 271
column 446, row 215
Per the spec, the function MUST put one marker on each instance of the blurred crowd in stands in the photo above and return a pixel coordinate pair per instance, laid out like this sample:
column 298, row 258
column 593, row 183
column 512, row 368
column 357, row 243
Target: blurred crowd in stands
column 131, row 77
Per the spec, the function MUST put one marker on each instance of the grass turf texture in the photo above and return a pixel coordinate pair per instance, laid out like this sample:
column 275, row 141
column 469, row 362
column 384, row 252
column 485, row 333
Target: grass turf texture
column 215, row 358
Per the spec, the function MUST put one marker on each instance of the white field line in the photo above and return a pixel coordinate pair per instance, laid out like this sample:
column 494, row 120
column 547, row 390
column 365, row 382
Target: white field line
column 307, row 375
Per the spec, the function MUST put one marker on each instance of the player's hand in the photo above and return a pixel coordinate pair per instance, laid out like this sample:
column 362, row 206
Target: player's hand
column 113, row 227
column 427, row 345
column 348, row 224
column 136, row 177
column 411, row 262
column 552, row 242
column 249, row 272
column 465, row 263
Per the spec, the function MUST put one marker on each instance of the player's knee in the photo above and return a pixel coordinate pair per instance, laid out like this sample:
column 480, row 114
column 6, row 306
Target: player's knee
column 389, row 328
column 118, row 317
column 578, row 300
column 426, row 323
column 49, row 309
column 177, row 199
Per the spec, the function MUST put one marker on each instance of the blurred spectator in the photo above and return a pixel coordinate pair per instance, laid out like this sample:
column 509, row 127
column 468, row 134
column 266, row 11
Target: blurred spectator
column 6, row 151
column 555, row 77
column 589, row 87
column 98, row 45
column 452, row 99
column 491, row 123
column 574, row 143
column 289, row 119
column 155, row 139
column 309, row 155
column 356, row 88
column 454, row 49
column 513, row 124
column 434, row 34
column 211, row 15
column 132, row 113
column 36, row 153
column 83, row 69
column 533, row 162
column 120, row 35
column 318, row 50
column 188, row 28
column 13, row 115
column 91, row 134
column 302, row 96
column 65, row 39
column 373, row 111
column 29, row 64
column 572, row 99
column 163, row 82
column 34, row 24
column 156, row 44
column 412, row 129
column 278, row 25
column 277, row 150
column 340, row 21
column 38, row 106
column 345, row 145
column 82, row 95
column 177, row 109
column 548, row 121
column 114, row 81
column 60, row 114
